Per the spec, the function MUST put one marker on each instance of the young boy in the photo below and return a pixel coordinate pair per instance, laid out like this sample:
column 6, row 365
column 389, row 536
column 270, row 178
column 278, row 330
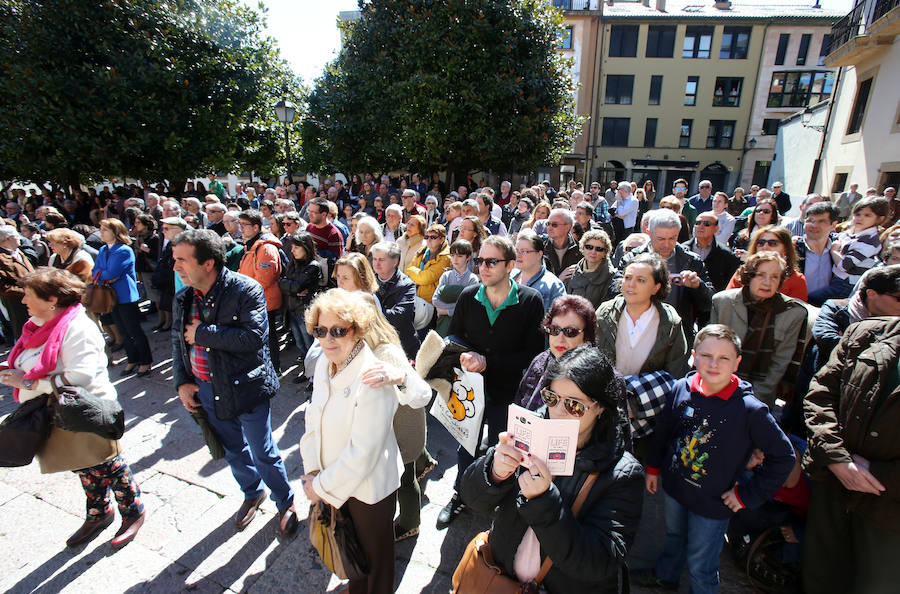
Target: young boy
column 452, row 282
column 856, row 252
column 708, row 430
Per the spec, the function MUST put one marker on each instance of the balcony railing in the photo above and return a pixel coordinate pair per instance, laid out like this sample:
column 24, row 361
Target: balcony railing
column 572, row 4
column 858, row 20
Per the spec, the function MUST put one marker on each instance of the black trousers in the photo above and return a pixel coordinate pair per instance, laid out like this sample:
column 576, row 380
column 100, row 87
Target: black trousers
column 127, row 317
column 374, row 526
column 18, row 315
column 845, row 552
column 274, row 353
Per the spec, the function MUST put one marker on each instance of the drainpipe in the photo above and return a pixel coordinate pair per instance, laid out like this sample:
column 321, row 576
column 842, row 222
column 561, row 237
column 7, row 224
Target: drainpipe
column 817, row 165
column 744, row 149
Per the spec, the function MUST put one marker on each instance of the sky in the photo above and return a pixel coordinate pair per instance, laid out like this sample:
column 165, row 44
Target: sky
column 307, row 33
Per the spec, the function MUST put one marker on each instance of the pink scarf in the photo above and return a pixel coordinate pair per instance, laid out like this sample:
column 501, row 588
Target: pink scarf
column 50, row 335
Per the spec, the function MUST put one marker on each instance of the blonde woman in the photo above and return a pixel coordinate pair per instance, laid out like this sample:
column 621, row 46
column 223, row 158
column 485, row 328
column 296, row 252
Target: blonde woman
column 430, row 263
column 68, row 255
column 350, row 452
column 539, row 217
column 412, row 241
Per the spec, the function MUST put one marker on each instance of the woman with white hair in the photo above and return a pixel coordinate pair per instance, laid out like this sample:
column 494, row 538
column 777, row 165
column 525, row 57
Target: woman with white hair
column 368, row 233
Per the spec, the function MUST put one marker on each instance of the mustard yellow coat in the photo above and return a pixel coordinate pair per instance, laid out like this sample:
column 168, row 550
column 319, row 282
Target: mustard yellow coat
column 427, row 278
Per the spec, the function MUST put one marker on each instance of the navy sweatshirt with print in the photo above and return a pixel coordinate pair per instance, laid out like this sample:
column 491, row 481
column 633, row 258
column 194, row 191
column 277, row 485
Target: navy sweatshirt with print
column 702, row 444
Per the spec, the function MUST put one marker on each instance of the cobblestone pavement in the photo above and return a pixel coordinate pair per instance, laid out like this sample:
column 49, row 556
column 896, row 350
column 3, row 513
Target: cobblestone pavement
column 188, row 542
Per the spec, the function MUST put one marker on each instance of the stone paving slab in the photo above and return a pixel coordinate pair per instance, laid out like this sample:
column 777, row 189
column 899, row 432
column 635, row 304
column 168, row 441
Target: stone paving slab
column 189, row 542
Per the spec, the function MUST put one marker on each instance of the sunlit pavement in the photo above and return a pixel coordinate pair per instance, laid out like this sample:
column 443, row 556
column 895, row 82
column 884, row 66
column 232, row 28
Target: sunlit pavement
column 189, row 542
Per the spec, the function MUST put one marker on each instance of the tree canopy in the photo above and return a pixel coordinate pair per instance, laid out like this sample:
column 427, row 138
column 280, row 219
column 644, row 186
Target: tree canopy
column 457, row 84
column 158, row 89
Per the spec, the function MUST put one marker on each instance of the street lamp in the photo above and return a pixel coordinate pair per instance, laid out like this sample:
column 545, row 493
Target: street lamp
column 285, row 112
column 806, row 117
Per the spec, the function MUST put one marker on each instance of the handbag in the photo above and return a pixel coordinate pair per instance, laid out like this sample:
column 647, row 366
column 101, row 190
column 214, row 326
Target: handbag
column 99, row 298
column 24, row 432
column 73, row 450
column 333, row 535
column 478, row 574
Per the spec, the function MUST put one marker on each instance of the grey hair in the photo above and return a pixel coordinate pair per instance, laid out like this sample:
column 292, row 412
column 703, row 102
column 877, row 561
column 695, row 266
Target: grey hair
column 391, row 249
column 215, row 207
column 565, row 213
column 395, row 208
column 7, row 231
column 665, row 218
column 372, row 224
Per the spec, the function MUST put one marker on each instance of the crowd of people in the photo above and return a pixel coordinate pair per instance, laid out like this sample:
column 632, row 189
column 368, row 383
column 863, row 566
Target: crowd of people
column 737, row 356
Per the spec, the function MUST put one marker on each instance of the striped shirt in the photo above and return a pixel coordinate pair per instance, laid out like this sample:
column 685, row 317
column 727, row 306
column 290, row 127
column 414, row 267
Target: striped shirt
column 859, row 253
column 199, row 354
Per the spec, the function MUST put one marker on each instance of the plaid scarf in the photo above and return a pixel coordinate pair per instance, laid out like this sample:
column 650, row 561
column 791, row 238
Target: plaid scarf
column 758, row 345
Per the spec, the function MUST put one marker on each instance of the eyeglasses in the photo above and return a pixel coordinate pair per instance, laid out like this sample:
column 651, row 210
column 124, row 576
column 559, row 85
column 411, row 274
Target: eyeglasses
column 336, row 331
column 489, row 262
column 526, row 252
column 764, row 210
column 576, row 408
column 555, row 224
column 569, row 332
column 595, row 248
column 706, row 223
column 289, row 223
column 429, row 237
column 767, row 242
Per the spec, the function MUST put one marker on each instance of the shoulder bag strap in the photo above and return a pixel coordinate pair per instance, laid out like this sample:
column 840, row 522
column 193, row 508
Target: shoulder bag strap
column 576, row 507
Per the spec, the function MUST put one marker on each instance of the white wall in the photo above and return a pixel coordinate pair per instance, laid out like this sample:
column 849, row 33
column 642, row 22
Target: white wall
column 796, row 150
column 866, row 156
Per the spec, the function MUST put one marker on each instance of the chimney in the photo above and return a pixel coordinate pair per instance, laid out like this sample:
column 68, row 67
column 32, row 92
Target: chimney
column 723, row 4
column 661, row 5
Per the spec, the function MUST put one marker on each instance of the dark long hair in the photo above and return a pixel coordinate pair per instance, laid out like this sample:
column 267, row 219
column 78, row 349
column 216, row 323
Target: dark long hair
column 593, row 373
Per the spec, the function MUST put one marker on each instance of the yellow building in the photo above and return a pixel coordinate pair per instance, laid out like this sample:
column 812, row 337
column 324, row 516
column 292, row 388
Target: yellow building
column 676, row 87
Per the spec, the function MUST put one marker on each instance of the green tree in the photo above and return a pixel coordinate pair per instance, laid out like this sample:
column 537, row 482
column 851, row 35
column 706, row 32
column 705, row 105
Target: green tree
column 457, row 84
column 139, row 88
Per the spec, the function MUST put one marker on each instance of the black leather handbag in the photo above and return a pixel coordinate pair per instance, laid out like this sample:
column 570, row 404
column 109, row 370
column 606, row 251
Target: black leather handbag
column 24, row 432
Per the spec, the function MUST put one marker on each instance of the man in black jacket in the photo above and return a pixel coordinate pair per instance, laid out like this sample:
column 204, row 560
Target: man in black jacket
column 691, row 293
column 720, row 263
column 500, row 321
column 397, row 294
column 221, row 366
column 560, row 250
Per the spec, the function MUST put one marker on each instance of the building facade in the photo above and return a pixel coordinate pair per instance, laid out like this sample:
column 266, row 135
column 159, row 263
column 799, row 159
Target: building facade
column 679, row 87
column 862, row 142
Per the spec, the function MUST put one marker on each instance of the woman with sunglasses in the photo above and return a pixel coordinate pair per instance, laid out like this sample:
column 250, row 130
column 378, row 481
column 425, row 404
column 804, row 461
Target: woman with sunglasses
column 430, row 263
column 777, row 239
column 764, row 213
column 349, row 450
column 532, row 516
column 593, row 275
column 570, row 323
column 636, row 330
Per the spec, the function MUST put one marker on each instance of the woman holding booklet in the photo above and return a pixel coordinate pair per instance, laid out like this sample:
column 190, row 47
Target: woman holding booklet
column 536, row 537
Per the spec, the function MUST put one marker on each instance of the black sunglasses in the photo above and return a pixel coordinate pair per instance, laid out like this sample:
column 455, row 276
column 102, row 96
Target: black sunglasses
column 767, row 242
column 569, row 332
column 336, row 331
column 489, row 262
column 595, row 248
column 574, row 407
column 705, row 223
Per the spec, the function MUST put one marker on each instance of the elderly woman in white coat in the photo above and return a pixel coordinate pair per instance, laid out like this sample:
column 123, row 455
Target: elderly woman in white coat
column 350, row 452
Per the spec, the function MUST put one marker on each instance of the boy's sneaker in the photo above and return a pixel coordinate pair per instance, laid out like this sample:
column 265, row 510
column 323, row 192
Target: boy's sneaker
column 648, row 579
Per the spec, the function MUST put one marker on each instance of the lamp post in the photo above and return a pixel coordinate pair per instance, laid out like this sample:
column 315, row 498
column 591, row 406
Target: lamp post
column 285, row 112
column 806, row 117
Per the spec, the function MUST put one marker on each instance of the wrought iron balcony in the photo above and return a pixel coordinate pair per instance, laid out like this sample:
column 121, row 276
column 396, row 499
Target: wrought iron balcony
column 572, row 4
column 869, row 27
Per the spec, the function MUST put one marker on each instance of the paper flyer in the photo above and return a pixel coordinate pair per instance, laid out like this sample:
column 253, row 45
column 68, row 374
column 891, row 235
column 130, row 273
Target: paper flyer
column 553, row 441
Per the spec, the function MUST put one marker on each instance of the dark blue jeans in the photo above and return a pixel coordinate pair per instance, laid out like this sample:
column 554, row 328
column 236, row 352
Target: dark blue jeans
column 250, row 450
column 696, row 540
column 127, row 317
column 838, row 288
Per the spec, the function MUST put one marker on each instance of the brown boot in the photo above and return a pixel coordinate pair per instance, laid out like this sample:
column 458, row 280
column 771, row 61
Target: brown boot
column 128, row 530
column 90, row 529
column 247, row 511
